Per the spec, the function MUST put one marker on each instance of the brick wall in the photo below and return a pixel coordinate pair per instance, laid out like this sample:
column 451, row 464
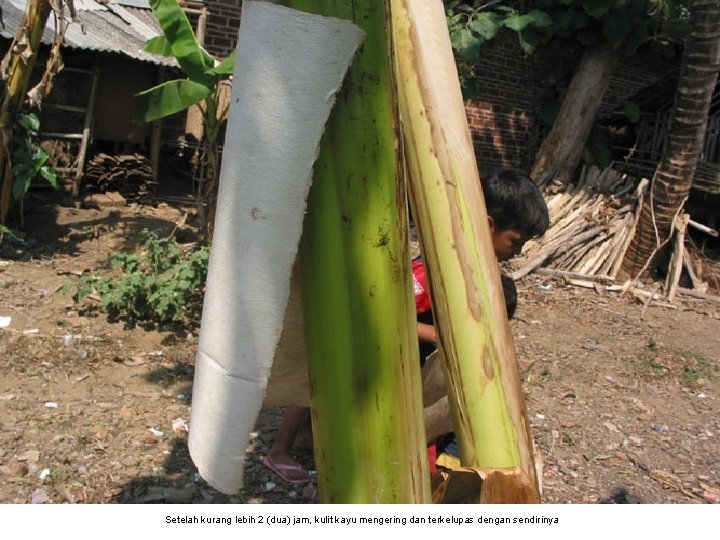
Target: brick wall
column 501, row 118
column 222, row 26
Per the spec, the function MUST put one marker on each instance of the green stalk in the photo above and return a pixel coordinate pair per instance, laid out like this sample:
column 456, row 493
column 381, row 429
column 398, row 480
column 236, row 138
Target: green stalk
column 480, row 365
column 359, row 311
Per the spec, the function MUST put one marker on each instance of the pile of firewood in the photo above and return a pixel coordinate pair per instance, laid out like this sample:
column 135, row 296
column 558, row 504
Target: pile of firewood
column 591, row 225
column 129, row 174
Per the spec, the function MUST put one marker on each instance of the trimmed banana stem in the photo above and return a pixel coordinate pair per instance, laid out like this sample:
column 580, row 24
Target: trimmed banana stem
column 480, row 368
column 359, row 312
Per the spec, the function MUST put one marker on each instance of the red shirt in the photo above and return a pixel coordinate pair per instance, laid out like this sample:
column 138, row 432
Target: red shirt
column 420, row 287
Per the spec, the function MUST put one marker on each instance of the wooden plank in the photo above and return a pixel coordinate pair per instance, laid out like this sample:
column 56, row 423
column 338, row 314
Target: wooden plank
column 86, row 129
column 676, row 261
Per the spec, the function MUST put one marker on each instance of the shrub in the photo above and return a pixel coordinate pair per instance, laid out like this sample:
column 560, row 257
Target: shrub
column 162, row 283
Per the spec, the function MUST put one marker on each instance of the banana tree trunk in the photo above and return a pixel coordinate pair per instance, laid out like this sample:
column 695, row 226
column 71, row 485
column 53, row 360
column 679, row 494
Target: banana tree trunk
column 21, row 65
column 359, row 312
column 671, row 184
column 468, row 306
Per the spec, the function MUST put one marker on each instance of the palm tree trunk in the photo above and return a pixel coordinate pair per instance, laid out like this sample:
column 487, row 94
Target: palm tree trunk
column 673, row 179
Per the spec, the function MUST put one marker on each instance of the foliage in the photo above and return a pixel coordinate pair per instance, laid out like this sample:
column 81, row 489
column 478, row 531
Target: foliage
column 203, row 73
column 30, row 161
column 555, row 33
column 473, row 28
column 563, row 27
column 201, row 87
column 163, row 283
column 4, row 230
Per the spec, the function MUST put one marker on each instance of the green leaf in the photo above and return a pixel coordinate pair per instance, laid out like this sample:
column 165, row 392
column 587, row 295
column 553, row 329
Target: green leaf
column 39, row 155
column 159, row 45
column 485, row 24
column 30, row 122
column 193, row 59
column 529, row 40
column 465, row 43
column 526, row 47
column 49, row 174
column 598, row 8
column 226, row 67
column 20, row 187
column 167, row 99
column 23, row 170
column 517, row 22
column 539, row 19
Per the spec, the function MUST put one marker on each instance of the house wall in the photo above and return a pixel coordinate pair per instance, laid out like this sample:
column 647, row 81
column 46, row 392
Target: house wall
column 120, row 78
column 222, row 26
column 500, row 117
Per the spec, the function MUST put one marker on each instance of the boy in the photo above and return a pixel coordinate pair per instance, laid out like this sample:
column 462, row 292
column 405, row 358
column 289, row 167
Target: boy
column 516, row 213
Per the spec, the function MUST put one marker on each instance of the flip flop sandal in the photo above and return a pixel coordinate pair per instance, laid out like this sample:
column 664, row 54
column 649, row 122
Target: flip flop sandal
column 281, row 470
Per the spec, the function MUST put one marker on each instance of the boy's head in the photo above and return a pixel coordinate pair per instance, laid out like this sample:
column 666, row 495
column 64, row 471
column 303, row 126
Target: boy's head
column 516, row 210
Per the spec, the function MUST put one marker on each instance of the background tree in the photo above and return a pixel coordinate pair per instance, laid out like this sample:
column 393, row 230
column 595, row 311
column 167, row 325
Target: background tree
column 202, row 87
column 673, row 178
column 576, row 45
column 17, row 68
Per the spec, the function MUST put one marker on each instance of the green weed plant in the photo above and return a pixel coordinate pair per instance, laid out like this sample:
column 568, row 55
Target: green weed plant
column 162, row 283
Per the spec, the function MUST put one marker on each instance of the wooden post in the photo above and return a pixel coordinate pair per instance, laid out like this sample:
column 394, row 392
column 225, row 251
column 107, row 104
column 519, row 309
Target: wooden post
column 87, row 128
column 676, row 261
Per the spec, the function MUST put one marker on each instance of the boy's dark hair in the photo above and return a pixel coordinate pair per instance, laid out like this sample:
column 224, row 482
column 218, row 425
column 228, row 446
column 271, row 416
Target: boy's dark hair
column 513, row 201
column 510, row 293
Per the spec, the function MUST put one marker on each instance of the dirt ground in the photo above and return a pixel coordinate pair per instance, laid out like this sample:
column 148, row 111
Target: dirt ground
column 623, row 397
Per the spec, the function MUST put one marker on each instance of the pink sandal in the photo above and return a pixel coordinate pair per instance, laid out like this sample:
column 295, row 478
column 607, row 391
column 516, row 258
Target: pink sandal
column 282, row 471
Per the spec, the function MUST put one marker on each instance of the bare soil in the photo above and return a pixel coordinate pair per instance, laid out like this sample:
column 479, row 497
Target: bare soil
column 623, row 397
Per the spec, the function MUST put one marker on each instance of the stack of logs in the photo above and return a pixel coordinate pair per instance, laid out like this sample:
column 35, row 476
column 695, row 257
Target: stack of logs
column 591, row 225
column 129, row 174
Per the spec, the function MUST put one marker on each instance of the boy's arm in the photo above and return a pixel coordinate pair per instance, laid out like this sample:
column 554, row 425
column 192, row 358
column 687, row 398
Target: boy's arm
column 426, row 333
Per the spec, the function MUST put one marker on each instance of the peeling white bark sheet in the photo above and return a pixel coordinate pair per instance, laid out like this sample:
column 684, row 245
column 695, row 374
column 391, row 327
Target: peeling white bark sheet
column 289, row 67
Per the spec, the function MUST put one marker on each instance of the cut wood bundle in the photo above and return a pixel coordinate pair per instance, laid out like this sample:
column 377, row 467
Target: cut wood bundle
column 591, row 224
column 129, row 174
